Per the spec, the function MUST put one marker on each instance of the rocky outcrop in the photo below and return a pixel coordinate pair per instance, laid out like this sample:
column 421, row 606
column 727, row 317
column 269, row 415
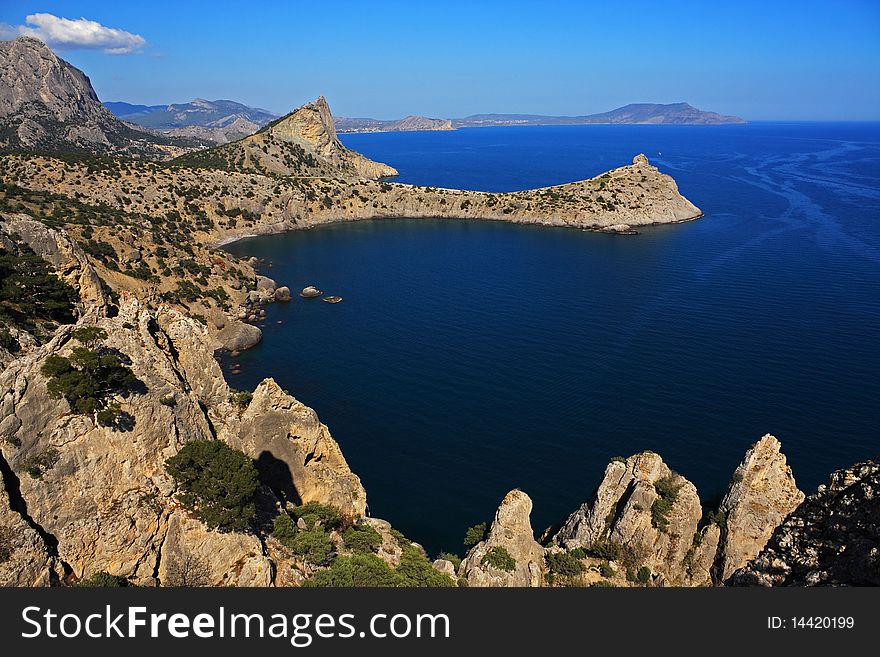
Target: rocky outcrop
column 295, row 451
column 58, row 249
column 26, row 555
column 831, row 539
column 654, row 516
column 237, row 336
column 47, row 103
column 644, row 507
column 303, row 142
column 511, row 530
column 101, row 499
column 761, row 494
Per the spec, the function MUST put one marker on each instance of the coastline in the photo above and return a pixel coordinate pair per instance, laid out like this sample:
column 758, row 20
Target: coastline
column 271, row 228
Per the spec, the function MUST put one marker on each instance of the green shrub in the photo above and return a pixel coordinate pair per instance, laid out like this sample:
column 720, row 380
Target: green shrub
column 217, row 483
column 359, row 570
column 88, row 378
column 605, row 550
column 475, row 534
column 606, row 570
column 563, row 564
column 38, row 463
column 284, row 529
column 718, row 517
column 667, row 491
column 415, row 570
column 643, row 576
column 241, row 398
column 452, row 558
column 499, row 558
column 578, row 553
column 12, row 439
column 602, row 584
column 103, row 579
column 88, row 334
column 361, row 539
column 329, row 516
column 29, row 290
column 313, row 545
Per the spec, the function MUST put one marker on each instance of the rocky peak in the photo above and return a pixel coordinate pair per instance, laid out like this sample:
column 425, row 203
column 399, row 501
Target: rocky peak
column 312, row 128
column 511, row 531
column 644, row 506
column 761, row 494
column 47, row 103
column 31, row 73
column 831, row 539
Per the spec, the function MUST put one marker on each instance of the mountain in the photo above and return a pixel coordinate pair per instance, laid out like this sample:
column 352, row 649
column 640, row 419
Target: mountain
column 124, row 110
column 409, row 124
column 636, row 113
column 48, row 104
column 674, row 113
column 303, row 143
column 216, row 121
column 199, row 112
column 644, row 113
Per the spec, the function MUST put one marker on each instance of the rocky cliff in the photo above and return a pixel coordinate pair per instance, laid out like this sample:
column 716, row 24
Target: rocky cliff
column 47, row 104
column 510, row 532
column 652, row 517
column 82, row 497
column 832, row 539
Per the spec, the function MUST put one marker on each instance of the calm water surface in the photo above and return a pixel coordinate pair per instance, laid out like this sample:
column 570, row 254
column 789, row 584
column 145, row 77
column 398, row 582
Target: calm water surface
column 469, row 358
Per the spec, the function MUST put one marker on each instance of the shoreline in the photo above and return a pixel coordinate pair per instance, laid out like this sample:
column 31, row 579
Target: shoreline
column 232, row 239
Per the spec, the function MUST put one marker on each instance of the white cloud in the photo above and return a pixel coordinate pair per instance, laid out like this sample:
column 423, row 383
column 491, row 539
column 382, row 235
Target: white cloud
column 73, row 34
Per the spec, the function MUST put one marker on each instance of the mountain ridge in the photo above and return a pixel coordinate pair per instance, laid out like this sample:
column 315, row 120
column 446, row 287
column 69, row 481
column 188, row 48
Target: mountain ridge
column 48, row 104
column 634, row 113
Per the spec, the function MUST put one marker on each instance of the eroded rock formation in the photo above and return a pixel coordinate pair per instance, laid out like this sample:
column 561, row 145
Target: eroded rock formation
column 831, row 539
column 103, row 501
column 511, row 531
column 761, row 494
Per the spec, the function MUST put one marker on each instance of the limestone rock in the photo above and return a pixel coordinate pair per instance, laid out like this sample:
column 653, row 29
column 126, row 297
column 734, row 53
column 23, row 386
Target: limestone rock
column 303, row 142
column 193, row 555
column 390, row 550
column 266, row 284
column 282, row 294
column 296, row 451
column 621, row 512
column 238, row 336
column 28, row 558
column 444, row 566
column 46, row 103
column 511, row 530
column 831, row 539
column 762, row 493
column 60, row 251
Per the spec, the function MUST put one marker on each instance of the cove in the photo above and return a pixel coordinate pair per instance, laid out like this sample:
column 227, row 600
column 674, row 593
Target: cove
column 468, row 358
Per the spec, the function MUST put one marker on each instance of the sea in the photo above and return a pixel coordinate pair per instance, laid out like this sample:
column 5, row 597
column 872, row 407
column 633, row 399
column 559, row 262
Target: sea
column 468, row 358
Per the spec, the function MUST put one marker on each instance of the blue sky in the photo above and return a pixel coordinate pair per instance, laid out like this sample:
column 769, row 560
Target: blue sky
column 767, row 60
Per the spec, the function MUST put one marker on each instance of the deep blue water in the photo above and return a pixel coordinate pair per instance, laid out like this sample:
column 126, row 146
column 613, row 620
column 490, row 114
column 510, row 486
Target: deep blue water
column 469, row 358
